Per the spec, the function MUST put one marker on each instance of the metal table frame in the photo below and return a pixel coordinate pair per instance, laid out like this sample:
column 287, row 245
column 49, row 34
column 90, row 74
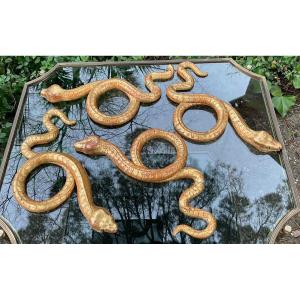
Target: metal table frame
column 265, row 92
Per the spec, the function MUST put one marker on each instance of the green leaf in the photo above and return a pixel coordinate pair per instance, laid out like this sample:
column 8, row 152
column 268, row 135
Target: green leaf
column 276, row 91
column 298, row 68
column 283, row 104
column 8, row 60
column 296, row 82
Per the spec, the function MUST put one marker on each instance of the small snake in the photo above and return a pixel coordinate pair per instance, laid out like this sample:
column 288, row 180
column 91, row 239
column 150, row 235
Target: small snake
column 98, row 217
column 94, row 145
column 95, row 89
column 261, row 140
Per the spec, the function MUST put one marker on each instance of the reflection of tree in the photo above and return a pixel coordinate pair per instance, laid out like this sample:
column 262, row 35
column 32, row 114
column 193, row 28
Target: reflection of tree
column 37, row 230
column 147, row 213
column 241, row 220
column 142, row 209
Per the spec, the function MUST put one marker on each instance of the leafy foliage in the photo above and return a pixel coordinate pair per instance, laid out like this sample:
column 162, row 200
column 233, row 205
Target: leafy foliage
column 283, row 103
column 296, row 81
column 282, row 74
column 280, row 102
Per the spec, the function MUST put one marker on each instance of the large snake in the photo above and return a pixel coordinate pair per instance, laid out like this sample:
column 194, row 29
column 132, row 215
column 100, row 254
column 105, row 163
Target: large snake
column 261, row 140
column 95, row 89
column 95, row 145
column 98, row 217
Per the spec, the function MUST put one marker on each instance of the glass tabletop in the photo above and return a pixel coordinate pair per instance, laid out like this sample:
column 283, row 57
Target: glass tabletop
column 248, row 192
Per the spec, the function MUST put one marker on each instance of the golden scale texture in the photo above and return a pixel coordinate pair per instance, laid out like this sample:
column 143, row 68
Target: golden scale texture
column 98, row 217
column 261, row 140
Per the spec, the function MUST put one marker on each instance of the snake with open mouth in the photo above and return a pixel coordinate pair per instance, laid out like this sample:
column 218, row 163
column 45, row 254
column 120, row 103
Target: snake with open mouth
column 95, row 145
column 95, row 89
column 261, row 140
column 99, row 218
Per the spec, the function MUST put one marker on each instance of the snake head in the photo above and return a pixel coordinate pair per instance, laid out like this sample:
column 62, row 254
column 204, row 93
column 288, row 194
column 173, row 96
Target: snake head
column 101, row 220
column 265, row 142
column 52, row 93
column 88, row 145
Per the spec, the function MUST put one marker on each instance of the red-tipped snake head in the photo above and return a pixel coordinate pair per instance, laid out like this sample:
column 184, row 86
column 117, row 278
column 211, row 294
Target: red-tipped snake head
column 52, row 93
column 89, row 145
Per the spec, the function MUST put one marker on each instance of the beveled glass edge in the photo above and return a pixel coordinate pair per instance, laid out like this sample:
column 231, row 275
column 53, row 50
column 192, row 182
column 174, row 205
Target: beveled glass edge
column 266, row 95
column 9, row 230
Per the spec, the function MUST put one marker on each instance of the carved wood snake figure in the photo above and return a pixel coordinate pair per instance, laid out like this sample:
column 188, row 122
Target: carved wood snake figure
column 98, row 217
column 261, row 140
column 95, row 145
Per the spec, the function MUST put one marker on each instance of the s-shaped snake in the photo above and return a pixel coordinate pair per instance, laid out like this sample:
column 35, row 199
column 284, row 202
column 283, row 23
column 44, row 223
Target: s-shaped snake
column 99, row 218
column 95, row 89
column 95, row 145
column 261, row 140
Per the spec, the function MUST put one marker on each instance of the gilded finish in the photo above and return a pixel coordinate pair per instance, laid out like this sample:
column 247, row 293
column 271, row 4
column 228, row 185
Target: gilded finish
column 94, row 90
column 135, row 168
column 259, row 78
column 261, row 140
column 98, row 217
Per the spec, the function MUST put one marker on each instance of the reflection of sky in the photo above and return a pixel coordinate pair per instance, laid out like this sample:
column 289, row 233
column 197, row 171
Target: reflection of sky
column 261, row 173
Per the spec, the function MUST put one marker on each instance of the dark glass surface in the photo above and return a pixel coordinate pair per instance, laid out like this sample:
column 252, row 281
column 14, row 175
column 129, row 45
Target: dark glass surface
column 247, row 191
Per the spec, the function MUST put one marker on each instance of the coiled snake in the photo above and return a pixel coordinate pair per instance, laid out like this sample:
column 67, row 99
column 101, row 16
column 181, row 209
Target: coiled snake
column 95, row 89
column 94, row 145
column 261, row 140
column 98, row 217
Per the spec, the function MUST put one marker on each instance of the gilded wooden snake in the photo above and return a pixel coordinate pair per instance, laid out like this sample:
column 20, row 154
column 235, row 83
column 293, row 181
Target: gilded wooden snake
column 95, row 145
column 95, row 89
column 261, row 140
column 98, row 217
